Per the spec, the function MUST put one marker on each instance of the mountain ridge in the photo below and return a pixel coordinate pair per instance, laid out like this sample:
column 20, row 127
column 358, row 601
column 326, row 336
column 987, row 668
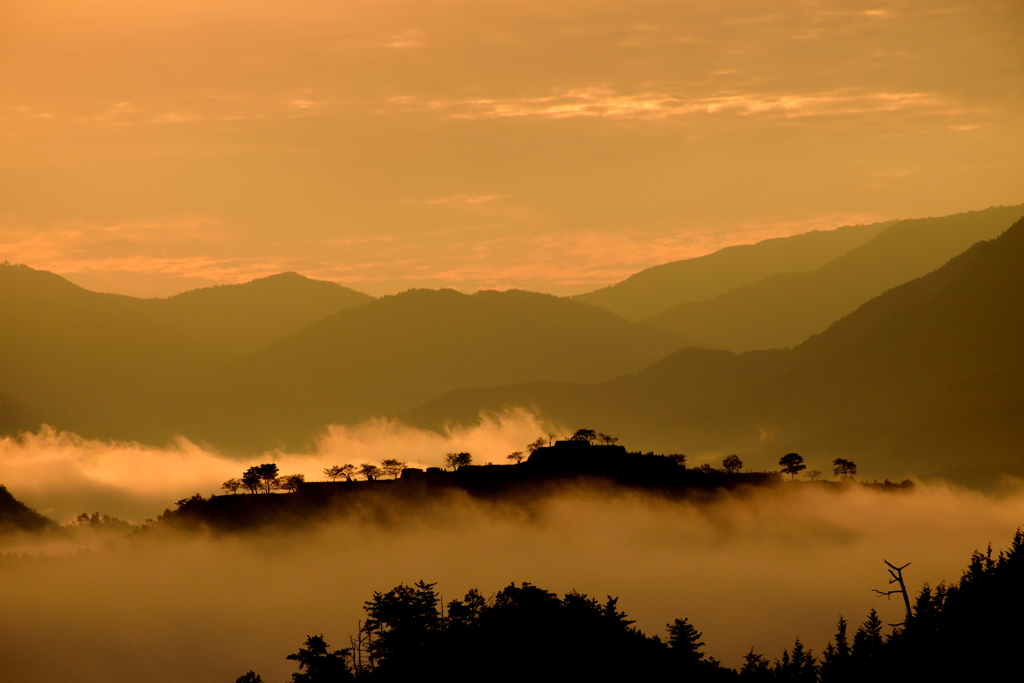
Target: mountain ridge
column 652, row 290
column 403, row 349
column 861, row 390
column 783, row 310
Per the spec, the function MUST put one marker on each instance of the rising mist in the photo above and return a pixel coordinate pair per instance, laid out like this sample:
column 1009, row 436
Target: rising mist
column 750, row 569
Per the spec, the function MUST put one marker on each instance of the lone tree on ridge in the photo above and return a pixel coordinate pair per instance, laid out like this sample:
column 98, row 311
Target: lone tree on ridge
column 251, row 480
column 792, row 464
column 539, row 442
column 392, row 467
column 291, row 482
column 267, row 473
column 844, row 468
column 588, row 435
column 732, row 464
column 515, row 456
column 457, row 460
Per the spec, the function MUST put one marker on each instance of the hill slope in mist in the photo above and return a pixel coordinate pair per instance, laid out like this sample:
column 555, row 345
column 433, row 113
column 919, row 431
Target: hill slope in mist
column 927, row 376
column 656, row 289
column 399, row 351
column 785, row 309
column 16, row 516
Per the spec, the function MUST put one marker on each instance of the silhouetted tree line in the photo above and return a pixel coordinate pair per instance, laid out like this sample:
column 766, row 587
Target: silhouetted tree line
column 967, row 631
column 266, row 478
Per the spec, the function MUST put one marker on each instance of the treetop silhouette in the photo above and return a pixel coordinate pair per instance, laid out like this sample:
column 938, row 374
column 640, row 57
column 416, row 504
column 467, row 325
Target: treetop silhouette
column 792, row 464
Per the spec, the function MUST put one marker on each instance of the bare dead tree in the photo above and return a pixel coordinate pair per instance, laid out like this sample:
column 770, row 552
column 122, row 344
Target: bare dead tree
column 361, row 643
column 897, row 577
column 356, row 649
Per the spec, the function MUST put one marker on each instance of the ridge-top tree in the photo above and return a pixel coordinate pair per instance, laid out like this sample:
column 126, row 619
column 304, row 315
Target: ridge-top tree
column 268, row 476
column 539, row 442
column 732, row 464
column 457, row 460
column 260, row 477
column 291, row 482
column 587, row 435
column 792, row 464
column 392, row 467
column 844, row 468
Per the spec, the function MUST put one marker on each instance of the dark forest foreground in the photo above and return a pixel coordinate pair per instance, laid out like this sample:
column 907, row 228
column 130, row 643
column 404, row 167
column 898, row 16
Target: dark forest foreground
column 966, row 631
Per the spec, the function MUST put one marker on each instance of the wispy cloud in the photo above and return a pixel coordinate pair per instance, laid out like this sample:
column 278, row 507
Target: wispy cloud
column 501, row 244
column 207, row 106
column 195, row 247
column 404, row 40
column 564, row 262
column 464, row 199
column 603, row 102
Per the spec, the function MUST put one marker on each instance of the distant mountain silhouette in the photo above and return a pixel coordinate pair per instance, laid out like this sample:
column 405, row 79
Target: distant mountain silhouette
column 103, row 364
column 85, row 361
column 653, row 290
column 785, row 309
column 394, row 353
column 926, row 376
column 247, row 317
column 929, row 373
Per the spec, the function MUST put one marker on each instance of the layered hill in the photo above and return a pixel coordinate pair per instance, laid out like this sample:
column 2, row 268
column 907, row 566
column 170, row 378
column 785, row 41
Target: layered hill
column 103, row 364
column 394, row 353
column 783, row 310
column 653, row 290
column 246, row 317
column 927, row 376
column 86, row 361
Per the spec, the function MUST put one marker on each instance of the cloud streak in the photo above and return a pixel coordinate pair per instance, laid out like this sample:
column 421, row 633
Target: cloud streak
column 603, row 102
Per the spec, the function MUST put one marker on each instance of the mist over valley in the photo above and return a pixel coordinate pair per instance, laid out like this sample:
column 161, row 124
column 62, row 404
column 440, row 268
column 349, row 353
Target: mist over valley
column 590, row 340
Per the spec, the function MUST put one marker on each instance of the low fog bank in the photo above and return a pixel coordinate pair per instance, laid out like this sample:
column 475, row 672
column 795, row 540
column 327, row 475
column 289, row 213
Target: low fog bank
column 62, row 475
column 749, row 569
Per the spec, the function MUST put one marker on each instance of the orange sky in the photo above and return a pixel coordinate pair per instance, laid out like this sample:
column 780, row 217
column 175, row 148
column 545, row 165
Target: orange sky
column 149, row 147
